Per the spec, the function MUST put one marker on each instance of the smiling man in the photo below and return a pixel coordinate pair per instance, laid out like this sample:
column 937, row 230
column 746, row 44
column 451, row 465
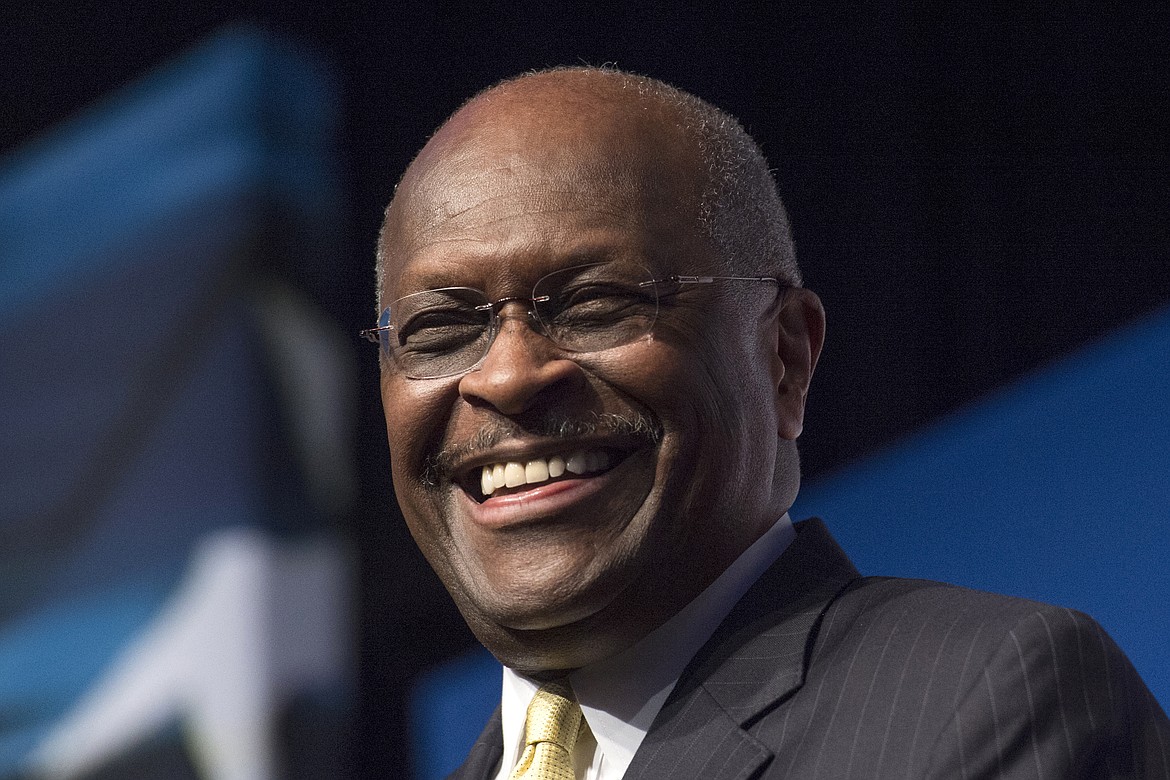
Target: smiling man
column 595, row 356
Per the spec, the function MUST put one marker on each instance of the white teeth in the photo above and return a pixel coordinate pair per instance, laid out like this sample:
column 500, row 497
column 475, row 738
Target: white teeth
column 535, row 471
column 556, row 466
column 513, row 473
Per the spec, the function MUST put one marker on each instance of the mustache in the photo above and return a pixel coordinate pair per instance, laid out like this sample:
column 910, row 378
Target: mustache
column 634, row 425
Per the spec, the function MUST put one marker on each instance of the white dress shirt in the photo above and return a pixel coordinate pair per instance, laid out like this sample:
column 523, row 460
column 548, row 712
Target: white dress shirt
column 621, row 696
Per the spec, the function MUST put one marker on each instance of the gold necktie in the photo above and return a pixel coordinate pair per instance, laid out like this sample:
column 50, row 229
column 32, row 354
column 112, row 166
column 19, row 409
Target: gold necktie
column 550, row 731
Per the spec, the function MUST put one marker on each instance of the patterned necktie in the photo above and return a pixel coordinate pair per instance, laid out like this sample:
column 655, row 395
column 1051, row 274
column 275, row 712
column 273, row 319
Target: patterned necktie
column 550, row 731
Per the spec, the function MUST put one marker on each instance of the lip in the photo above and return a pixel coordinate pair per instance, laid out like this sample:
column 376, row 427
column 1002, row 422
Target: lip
column 543, row 502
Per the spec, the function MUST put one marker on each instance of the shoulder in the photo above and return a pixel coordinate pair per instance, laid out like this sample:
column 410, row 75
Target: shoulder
column 889, row 604
column 980, row 680
column 931, row 626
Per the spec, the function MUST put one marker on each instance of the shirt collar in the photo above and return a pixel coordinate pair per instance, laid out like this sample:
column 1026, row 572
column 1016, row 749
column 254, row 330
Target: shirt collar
column 620, row 696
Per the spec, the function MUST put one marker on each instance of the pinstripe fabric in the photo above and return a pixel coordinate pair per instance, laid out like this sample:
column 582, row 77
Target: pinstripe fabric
column 818, row 673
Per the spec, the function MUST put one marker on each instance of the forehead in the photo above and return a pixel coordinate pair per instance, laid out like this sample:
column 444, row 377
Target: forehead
column 515, row 193
column 512, row 231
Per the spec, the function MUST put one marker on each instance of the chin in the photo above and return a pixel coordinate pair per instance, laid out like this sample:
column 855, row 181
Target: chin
column 556, row 605
column 533, row 632
column 556, row 648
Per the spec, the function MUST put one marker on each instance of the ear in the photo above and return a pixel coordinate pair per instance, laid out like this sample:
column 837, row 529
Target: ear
column 800, row 333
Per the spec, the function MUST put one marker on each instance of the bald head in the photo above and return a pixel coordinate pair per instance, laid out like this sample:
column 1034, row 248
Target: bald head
column 600, row 126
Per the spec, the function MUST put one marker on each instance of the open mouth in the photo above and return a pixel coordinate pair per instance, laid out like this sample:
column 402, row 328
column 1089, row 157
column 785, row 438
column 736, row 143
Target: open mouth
column 508, row 477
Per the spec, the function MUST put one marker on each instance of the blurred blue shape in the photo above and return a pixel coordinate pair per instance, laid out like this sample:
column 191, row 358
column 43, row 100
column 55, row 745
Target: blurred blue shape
column 137, row 405
column 450, row 705
column 246, row 117
column 1056, row 489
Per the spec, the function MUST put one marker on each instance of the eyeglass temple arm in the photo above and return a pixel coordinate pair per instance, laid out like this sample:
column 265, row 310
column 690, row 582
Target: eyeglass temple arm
column 680, row 279
column 374, row 335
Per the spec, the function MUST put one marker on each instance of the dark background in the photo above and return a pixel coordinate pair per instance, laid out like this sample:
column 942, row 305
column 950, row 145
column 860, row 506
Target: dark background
column 975, row 191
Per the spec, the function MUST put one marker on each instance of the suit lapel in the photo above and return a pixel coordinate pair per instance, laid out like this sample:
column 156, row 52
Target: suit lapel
column 693, row 738
column 754, row 661
column 485, row 755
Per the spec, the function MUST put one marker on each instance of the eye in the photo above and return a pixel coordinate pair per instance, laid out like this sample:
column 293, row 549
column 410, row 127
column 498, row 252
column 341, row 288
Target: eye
column 442, row 328
column 600, row 304
column 589, row 308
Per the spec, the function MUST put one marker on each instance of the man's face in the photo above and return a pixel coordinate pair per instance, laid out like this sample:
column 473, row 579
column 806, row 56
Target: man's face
column 676, row 432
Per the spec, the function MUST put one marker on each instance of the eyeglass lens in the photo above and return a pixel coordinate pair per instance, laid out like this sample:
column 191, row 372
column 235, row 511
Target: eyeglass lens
column 585, row 308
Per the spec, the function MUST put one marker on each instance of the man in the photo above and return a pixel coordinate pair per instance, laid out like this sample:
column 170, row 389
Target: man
column 596, row 352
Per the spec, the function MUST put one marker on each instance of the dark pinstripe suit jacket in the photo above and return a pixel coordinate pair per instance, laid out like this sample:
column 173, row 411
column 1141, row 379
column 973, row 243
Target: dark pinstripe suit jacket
column 820, row 673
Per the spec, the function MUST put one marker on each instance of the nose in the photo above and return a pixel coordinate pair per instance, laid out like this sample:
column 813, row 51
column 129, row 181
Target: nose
column 521, row 368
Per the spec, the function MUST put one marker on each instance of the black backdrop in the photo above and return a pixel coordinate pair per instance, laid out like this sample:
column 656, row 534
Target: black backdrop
column 974, row 192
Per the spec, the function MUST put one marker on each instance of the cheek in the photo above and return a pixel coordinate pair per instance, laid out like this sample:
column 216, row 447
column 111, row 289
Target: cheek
column 695, row 383
column 416, row 413
column 670, row 378
column 712, row 397
column 415, row 420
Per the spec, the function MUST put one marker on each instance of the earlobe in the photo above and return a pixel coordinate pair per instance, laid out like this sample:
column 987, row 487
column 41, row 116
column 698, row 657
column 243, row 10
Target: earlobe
column 800, row 334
